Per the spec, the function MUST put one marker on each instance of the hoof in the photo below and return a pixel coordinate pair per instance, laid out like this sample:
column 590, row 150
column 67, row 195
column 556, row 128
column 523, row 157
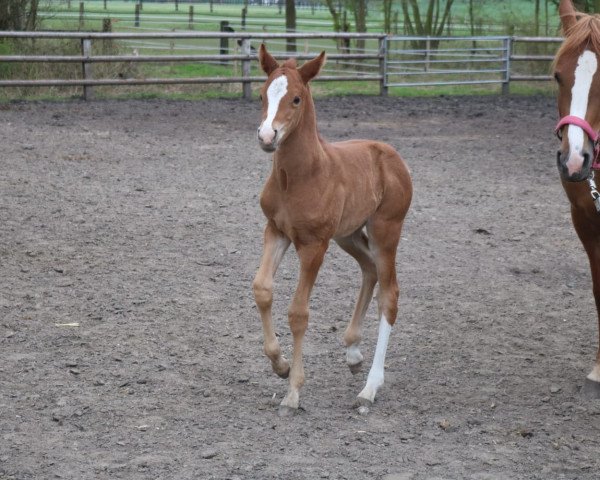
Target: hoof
column 282, row 370
column 362, row 405
column 591, row 389
column 285, row 411
column 356, row 368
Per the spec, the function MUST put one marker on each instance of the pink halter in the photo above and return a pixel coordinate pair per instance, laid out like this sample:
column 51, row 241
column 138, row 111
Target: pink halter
column 587, row 128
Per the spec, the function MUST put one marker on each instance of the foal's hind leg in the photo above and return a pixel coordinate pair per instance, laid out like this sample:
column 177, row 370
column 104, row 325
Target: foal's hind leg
column 357, row 245
column 275, row 246
column 383, row 237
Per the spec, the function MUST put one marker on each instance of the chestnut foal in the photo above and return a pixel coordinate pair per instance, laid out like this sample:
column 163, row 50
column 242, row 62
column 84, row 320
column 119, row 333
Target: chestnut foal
column 576, row 71
column 318, row 191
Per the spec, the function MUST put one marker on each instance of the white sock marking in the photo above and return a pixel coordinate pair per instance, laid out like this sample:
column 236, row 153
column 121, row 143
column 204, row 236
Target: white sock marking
column 275, row 93
column 375, row 378
column 584, row 75
column 353, row 355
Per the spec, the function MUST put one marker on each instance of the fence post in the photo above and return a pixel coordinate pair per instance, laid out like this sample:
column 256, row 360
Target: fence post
column 136, row 21
column 191, row 26
column 224, row 41
column 507, row 43
column 246, row 85
column 244, row 13
column 86, row 50
column 383, row 52
column 81, row 15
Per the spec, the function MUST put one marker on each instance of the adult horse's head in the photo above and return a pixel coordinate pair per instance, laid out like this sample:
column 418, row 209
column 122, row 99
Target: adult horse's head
column 576, row 72
column 285, row 97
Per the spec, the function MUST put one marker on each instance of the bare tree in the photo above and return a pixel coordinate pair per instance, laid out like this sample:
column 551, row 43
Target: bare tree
column 18, row 14
column 387, row 16
column 432, row 23
column 359, row 9
column 335, row 15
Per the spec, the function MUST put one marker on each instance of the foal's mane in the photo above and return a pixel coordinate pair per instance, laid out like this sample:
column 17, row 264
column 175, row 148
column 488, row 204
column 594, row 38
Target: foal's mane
column 585, row 33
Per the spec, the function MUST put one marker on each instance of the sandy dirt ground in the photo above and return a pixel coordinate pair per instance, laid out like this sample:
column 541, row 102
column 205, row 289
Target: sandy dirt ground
column 131, row 348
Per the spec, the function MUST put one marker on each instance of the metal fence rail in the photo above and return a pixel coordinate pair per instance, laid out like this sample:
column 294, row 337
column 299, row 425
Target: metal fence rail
column 392, row 61
column 245, row 57
column 427, row 61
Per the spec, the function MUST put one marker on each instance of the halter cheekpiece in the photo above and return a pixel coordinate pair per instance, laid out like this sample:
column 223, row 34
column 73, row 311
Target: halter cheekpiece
column 593, row 135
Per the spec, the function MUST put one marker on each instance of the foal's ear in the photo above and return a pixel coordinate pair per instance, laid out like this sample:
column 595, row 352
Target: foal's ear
column 267, row 62
column 310, row 69
column 568, row 15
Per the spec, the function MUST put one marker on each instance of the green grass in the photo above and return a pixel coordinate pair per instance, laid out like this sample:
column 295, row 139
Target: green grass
column 506, row 14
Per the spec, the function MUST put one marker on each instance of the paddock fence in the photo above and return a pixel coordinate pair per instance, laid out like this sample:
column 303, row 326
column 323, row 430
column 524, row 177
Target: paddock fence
column 391, row 61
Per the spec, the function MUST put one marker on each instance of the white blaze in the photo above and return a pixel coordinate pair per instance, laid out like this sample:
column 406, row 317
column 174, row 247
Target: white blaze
column 275, row 93
column 584, row 74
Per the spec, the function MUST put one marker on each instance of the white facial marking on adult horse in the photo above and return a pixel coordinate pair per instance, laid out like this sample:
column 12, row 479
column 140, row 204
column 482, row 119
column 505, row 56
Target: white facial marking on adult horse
column 375, row 378
column 584, row 75
column 275, row 93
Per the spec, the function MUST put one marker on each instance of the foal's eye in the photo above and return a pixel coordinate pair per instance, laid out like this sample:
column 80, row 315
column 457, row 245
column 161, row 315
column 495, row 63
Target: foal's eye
column 296, row 100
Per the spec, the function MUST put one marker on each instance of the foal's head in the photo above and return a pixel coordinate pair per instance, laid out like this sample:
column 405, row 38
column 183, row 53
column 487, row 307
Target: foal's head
column 285, row 97
column 576, row 72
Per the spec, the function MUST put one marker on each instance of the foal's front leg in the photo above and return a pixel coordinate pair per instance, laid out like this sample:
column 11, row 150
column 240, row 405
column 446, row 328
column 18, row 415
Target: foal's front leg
column 275, row 246
column 311, row 258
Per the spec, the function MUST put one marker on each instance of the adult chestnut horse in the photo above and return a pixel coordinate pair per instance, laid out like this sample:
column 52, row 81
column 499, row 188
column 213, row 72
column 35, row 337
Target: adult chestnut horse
column 319, row 191
column 576, row 71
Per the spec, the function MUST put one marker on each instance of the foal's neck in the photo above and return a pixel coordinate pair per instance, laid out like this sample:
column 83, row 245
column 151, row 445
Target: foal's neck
column 302, row 151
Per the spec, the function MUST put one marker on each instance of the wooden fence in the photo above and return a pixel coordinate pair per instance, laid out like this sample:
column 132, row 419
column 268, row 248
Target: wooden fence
column 373, row 63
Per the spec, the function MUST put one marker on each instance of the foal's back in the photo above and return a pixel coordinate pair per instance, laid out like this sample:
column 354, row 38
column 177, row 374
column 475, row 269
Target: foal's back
column 373, row 170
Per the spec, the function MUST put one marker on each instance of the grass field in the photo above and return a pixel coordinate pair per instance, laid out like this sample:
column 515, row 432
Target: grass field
column 493, row 17
column 497, row 17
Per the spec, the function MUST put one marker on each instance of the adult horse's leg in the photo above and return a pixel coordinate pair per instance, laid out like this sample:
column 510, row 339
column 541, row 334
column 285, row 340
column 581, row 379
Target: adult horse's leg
column 357, row 245
column 589, row 234
column 591, row 388
column 311, row 258
column 384, row 236
column 275, row 246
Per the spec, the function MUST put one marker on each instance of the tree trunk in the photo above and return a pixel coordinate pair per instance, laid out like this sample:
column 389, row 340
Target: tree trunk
column 433, row 22
column 335, row 15
column 387, row 16
column 359, row 8
column 290, row 24
column 537, row 18
column 18, row 14
column 32, row 15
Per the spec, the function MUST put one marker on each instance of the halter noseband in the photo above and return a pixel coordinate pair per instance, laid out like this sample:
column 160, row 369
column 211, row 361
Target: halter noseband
column 593, row 135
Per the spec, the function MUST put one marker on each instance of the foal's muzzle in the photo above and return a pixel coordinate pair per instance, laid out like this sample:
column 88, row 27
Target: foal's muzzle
column 268, row 140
